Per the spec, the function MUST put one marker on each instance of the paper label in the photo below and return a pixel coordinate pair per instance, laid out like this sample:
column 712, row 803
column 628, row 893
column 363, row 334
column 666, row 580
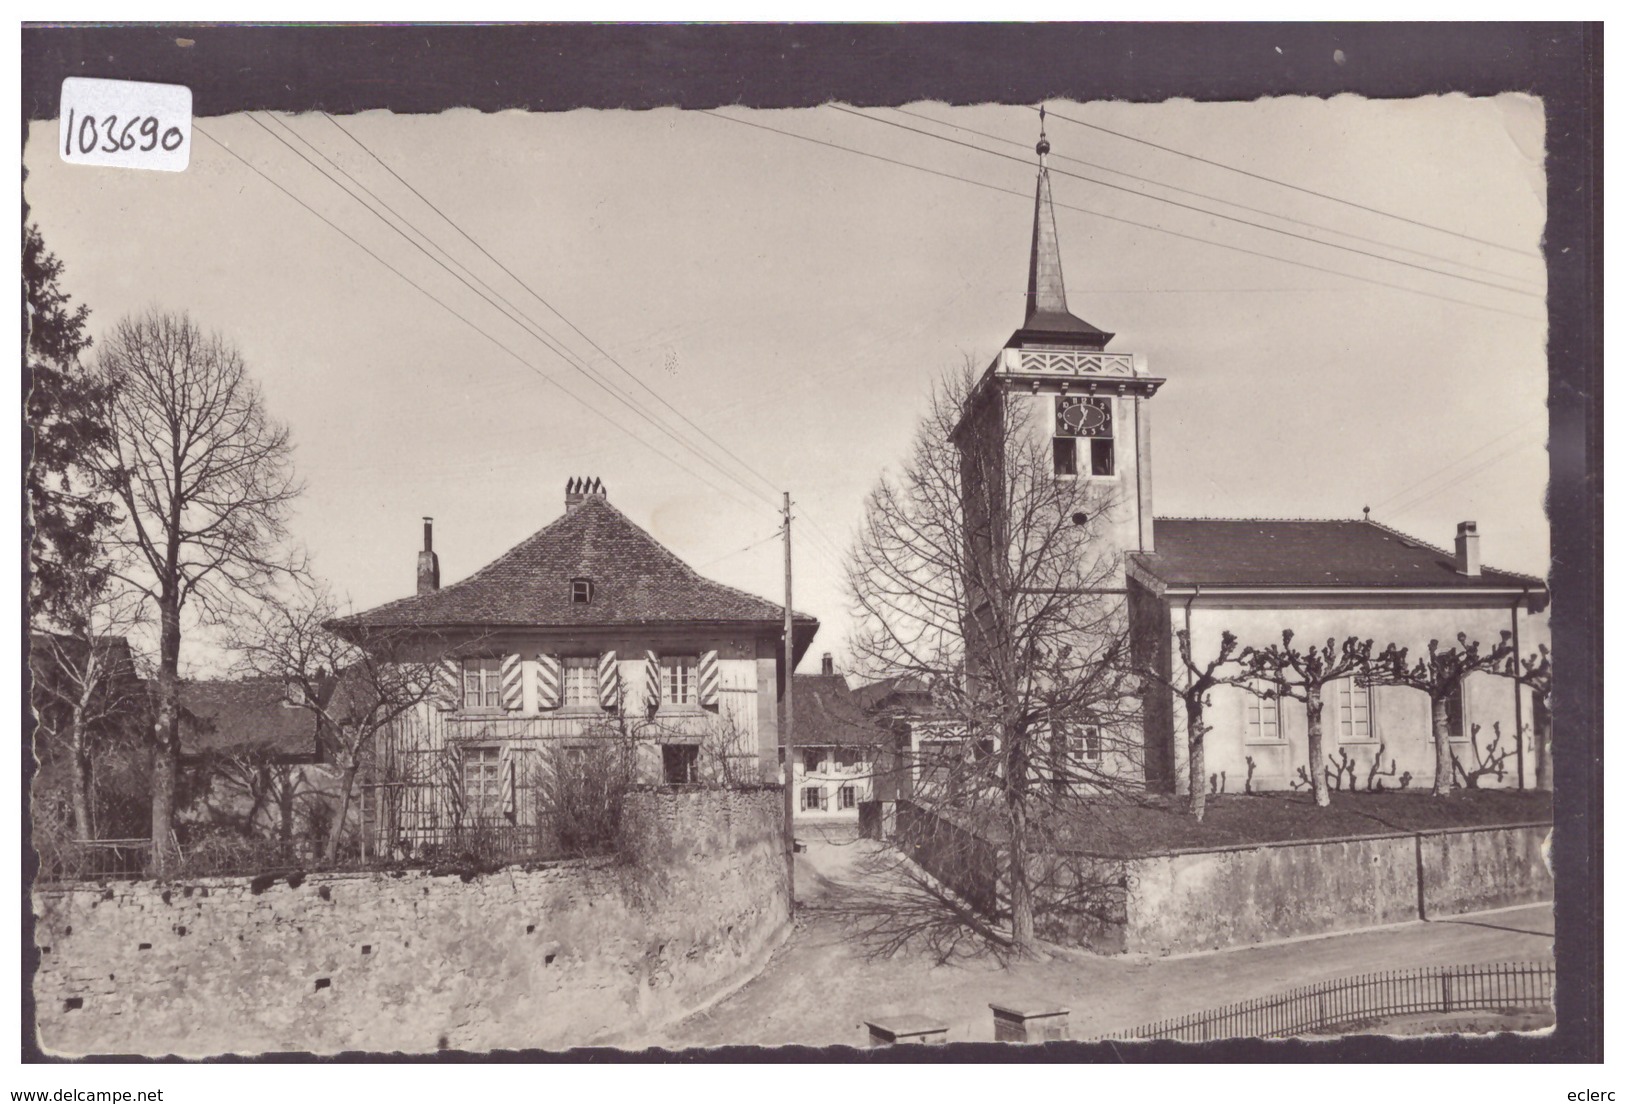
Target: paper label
column 125, row 124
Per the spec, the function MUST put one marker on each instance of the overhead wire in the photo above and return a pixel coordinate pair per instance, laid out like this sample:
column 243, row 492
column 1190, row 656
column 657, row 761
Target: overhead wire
column 455, row 313
column 546, row 339
column 1417, row 485
column 1127, row 221
column 1190, row 206
column 1216, row 199
column 544, row 302
column 1051, row 113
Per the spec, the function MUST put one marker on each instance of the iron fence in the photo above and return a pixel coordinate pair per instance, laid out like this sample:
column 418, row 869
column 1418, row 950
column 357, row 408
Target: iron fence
column 92, row 860
column 1308, row 1009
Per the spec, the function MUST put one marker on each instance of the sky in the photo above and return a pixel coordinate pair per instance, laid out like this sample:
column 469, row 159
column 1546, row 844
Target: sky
column 795, row 301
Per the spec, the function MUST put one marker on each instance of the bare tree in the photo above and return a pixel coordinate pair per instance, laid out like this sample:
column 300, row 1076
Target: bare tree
column 204, row 477
column 354, row 685
column 979, row 573
column 1535, row 672
column 1439, row 675
column 86, row 685
column 1193, row 681
column 1303, row 674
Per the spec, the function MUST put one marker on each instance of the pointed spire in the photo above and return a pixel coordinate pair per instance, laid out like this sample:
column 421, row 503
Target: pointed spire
column 1046, row 290
column 1048, row 319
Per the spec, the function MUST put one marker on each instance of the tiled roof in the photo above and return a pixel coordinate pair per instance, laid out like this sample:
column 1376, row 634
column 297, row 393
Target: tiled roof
column 1266, row 552
column 636, row 581
column 829, row 714
column 239, row 714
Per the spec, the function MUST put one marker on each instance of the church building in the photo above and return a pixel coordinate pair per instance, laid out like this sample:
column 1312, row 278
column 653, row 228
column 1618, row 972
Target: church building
column 1255, row 577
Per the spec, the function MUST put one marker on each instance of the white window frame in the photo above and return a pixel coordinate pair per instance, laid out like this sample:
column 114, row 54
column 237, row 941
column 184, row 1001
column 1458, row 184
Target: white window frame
column 679, row 679
column 821, row 802
column 487, row 671
column 482, row 781
column 846, row 797
column 1255, row 710
column 579, row 675
column 1348, row 691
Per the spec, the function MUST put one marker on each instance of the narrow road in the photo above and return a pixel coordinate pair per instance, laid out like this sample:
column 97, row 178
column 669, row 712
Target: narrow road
column 830, row 977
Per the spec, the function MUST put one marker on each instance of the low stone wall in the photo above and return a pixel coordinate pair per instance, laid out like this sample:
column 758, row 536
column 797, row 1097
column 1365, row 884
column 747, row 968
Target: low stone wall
column 1228, row 897
column 1204, row 900
column 575, row 953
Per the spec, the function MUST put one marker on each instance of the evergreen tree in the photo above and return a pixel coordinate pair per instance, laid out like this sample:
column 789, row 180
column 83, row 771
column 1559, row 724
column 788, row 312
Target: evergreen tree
column 64, row 423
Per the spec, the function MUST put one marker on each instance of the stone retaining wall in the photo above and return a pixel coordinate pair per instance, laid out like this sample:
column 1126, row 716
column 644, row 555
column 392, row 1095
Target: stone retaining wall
column 1227, row 897
column 574, row 953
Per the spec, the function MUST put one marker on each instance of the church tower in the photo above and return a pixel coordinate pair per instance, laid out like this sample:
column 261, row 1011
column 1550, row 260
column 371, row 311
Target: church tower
column 1092, row 404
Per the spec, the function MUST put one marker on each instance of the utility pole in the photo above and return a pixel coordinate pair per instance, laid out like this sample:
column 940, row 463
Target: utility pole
column 787, row 737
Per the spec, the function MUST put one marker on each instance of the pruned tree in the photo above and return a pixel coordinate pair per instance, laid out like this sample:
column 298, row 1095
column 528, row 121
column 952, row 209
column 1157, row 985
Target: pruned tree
column 1535, row 672
column 1440, row 674
column 1193, row 680
column 978, row 573
column 203, row 475
column 1303, row 674
column 355, row 685
column 66, row 423
column 86, row 683
column 1488, row 761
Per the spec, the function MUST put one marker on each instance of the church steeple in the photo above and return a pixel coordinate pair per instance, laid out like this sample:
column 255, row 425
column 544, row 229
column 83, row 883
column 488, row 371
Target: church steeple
column 1048, row 321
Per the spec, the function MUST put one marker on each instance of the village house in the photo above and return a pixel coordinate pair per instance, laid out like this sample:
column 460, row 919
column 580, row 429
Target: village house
column 588, row 635
column 836, row 747
column 1255, row 577
column 255, row 755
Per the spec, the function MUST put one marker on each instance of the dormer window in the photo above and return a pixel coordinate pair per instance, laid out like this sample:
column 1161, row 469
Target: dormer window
column 293, row 694
column 580, row 591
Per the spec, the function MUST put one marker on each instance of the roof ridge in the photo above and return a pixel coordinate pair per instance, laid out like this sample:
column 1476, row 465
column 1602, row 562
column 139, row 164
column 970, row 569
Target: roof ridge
column 1208, row 517
column 1448, row 552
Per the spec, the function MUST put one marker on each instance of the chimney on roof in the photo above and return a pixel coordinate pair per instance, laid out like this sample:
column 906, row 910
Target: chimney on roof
column 578, row 490
column 829, row 664
column 1467, row 548
column 428, row 562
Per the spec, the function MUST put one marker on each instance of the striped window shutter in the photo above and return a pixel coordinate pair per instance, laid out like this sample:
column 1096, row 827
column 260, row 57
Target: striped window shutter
column 549, row 681
column 513, row 683
column 651, row 681
column 609, row 681
column 448, row 683
column 454, row 776
column 710, row 676
column 510, row 792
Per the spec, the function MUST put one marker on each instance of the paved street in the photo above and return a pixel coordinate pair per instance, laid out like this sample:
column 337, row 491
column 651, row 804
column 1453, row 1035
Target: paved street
column 828, row 979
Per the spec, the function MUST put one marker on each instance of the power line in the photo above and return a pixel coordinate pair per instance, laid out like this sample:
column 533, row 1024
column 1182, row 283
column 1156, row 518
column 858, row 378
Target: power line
column 544, row 302
column 458, row 315
column 1127, row 221
column 1193, row 207
column 1294, row 187
column 1491, row 462
column 1406, row 492
column 830, row 544
column 542, row 336
column 1217, row 199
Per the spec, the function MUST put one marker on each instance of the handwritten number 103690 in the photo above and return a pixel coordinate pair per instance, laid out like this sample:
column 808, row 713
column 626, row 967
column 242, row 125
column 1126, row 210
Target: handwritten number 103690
column 143, row 132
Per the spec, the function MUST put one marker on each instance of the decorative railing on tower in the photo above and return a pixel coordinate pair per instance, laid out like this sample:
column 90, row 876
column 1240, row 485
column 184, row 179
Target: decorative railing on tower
column 1066, row 362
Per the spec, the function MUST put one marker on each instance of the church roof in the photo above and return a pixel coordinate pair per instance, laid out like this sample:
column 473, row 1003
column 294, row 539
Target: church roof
column 1263, row 552
column 635, row 581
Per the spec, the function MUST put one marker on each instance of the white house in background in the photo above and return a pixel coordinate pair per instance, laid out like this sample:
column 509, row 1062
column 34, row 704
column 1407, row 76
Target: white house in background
column 836, row 746
column 587, row 631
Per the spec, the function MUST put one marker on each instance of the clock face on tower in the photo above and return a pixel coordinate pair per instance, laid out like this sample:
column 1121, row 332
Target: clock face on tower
column 1083, row 417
